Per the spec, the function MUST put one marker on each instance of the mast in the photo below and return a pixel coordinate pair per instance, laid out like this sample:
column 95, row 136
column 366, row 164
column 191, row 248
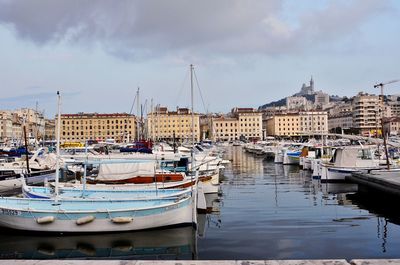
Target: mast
column 383, row 129
column 58, row 143
column 191, row 95
column 137, row 115
column 26, row 150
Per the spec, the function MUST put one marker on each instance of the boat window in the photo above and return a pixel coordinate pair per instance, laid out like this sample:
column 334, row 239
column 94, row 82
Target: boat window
column 364, row 154
column 333, row 159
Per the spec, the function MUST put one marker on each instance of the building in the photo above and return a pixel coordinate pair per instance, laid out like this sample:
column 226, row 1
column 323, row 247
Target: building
column 34, row 121
column 395, row 107
column 297, row 102
column 205, row 126
column 163, row 124
column 341, row 108
column 337, row 123
column 120, row 127
column 250, row 123
column 225, row 128
column 367, row 113
column 392, row 126
column 6, row 126
column 283, row 125
column 239, row 124
column 321, row 99
column 50, row 130
column 17, row 129
column 307, row 90
column 297, row 124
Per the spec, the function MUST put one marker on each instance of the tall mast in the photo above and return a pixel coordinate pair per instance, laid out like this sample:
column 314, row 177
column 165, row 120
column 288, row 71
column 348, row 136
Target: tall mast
column 137, row 115
column 151, row 118
column 58, row 142
column 191, row 95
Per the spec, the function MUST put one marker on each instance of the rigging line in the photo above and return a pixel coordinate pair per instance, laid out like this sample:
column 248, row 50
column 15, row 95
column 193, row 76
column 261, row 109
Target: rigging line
column 133, row 104
column 181, row 89
column 201, row 95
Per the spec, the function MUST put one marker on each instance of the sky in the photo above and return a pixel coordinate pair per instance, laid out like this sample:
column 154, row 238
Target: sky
column 245, row 53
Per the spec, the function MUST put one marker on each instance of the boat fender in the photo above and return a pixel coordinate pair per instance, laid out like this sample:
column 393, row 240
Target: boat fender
column 85, row 220
column 45, row 220
column 121, row 220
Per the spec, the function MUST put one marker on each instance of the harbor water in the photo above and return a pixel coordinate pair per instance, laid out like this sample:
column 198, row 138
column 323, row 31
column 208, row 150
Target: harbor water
column 263, row 211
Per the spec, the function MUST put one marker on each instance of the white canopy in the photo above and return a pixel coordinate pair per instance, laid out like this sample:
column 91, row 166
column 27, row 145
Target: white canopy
column 121, row 171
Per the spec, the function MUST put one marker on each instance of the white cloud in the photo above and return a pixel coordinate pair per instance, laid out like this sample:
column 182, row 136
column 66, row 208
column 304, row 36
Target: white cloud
column 142, row 29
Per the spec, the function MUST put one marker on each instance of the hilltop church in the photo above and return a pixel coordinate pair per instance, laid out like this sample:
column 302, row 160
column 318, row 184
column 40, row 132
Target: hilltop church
column 307, row 90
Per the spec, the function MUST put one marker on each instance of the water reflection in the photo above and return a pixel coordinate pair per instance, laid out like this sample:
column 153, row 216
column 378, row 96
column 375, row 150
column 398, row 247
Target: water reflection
column 175, row 243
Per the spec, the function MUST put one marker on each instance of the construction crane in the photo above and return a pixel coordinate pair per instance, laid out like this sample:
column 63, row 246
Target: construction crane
column 381, row 85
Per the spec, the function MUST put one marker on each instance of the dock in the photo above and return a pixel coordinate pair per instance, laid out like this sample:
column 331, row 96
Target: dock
column 388, row 182
column 205, row 262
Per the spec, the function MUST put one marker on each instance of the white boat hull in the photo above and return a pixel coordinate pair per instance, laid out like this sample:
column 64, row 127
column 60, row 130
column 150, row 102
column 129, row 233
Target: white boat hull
column 176, row 214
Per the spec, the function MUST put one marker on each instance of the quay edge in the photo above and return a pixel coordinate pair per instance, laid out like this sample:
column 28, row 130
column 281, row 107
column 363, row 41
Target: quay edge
column 384, row 184
column 204, row 262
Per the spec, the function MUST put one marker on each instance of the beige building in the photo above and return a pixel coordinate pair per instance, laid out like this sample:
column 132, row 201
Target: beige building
column 50, row 130
column 342, row 121
column 240, row 123
column 163, row 124
column 6, row 126
column 17, row 128
column 80, row 127
column 366, row 113
column 296, row 124
column 34, row 120
column 392, row 126
column 225, row 128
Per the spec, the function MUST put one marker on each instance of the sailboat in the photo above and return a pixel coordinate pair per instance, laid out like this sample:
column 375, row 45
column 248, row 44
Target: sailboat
column 89, row 216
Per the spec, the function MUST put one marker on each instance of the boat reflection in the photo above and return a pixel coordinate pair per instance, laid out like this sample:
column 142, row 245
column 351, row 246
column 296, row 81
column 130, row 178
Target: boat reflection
column 174, row 243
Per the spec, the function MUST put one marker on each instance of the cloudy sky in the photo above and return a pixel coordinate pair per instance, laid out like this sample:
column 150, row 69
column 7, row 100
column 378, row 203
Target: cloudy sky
column 245, row 53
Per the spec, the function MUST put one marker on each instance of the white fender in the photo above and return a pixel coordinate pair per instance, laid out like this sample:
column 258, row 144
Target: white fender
column 45, row 220
column 121, row 220
column 85, row 220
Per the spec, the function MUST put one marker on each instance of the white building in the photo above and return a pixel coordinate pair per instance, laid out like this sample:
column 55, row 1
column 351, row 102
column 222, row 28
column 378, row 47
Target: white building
column 321, row 99
column 297, row 102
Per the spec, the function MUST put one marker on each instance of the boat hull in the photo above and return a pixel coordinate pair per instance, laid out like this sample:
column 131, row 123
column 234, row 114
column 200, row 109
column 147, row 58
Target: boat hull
column 180, row 213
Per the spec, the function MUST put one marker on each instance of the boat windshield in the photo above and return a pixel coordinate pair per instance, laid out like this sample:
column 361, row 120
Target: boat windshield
column 364, row 154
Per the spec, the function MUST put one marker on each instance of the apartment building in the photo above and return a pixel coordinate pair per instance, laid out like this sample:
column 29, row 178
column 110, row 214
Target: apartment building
column 50, row 130
column 367, row 113
column 283, row 124
column 392, row 126
column 120, row 127
column 34, row 121
column 6, row 126
column 225, row 128
column 163, row 124
column 342, row 121
column 240, row 123
column 250, row 123
column 297, row 124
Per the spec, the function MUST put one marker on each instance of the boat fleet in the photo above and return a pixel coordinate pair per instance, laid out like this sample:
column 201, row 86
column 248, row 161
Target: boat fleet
column 80, row 190
column 330, row 160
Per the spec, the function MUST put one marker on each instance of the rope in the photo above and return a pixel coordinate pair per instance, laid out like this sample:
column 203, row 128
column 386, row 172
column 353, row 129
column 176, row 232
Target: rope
column 201, row 95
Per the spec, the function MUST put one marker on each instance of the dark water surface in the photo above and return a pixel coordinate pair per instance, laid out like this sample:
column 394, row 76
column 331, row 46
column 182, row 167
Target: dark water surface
column 264, row 211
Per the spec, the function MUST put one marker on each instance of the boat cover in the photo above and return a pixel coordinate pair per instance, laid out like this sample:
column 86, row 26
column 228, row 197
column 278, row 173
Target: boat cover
column 121, row 171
